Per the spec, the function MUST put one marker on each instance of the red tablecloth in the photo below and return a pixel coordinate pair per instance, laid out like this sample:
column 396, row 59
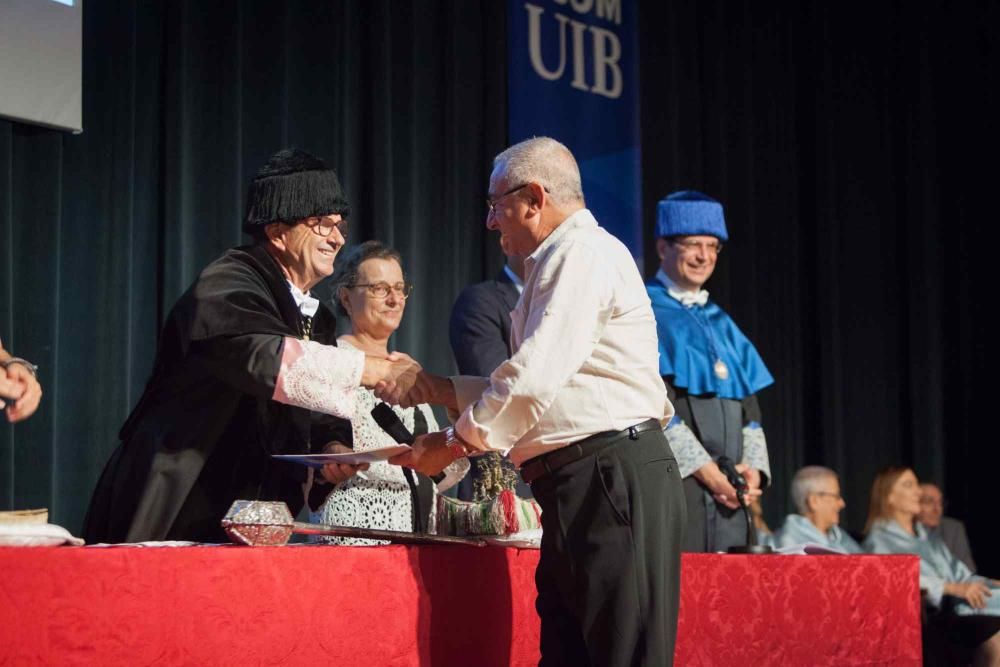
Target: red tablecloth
column 431, row 605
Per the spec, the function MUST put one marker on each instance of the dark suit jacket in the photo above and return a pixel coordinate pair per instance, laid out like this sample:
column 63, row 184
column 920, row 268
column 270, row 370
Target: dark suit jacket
column 954, row 536
column 480, row 339
column 480, row 325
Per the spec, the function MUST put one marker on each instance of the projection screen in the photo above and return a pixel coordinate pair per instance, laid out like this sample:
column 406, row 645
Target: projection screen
column 40, row 62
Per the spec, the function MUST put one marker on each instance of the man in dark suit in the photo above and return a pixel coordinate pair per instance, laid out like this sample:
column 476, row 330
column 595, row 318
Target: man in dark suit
column 479, row 331
column 952, row 531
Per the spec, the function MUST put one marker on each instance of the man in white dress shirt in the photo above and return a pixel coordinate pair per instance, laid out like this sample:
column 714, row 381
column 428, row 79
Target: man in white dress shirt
column 579, row 408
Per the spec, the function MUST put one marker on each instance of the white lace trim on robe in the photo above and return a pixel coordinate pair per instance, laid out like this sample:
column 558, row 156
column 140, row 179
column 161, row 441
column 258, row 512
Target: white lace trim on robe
column 755, row 451
column 319, row 377
column 687, row 449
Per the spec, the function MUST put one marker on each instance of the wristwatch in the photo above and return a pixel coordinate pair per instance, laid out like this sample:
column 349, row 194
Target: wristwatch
column 455, row 444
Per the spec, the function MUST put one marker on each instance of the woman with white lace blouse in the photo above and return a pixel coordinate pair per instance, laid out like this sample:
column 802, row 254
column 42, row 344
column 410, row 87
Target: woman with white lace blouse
column 371, row 291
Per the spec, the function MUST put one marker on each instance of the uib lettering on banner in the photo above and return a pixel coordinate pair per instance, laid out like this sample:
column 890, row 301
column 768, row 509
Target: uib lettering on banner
column 605, row 50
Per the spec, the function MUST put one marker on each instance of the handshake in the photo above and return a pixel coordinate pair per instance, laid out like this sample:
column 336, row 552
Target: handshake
column 398, row 379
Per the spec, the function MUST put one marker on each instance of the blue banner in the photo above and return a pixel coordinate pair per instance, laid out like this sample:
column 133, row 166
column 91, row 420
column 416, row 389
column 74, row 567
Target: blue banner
column 574, row 76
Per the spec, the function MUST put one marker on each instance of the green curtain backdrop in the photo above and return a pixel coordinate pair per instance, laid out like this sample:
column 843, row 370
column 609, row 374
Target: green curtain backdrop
column 853, row 146
column 101, row 232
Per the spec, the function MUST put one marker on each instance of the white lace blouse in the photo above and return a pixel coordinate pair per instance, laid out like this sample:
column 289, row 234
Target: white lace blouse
column 382, row 500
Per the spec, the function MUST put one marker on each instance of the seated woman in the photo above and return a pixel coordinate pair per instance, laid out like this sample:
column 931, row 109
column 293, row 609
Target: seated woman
column 371, row 291
column 816, row 494
column 972, row 602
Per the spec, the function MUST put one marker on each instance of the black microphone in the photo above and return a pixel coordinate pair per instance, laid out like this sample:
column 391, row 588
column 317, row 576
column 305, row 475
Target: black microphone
column 390, row 422
column 739, row 483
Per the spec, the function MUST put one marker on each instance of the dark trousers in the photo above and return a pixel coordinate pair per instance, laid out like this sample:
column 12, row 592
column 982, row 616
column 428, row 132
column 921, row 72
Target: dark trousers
column 609, row 574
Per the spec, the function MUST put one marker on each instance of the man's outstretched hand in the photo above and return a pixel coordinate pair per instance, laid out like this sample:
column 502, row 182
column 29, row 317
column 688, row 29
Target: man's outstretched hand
column 430, row 454
column 426, row 388
column 398, row 371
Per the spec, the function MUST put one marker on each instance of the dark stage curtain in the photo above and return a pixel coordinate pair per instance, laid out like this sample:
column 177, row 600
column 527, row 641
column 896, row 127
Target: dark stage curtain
column 851, row 145
column 183, row 101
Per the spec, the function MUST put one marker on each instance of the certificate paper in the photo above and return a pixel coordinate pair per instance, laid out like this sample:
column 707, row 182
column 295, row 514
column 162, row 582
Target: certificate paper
column 353, row 458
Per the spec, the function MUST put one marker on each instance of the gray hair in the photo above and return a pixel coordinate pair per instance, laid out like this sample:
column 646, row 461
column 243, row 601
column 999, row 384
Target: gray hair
column 807, row 482
column 545, row 161
column 346, row 270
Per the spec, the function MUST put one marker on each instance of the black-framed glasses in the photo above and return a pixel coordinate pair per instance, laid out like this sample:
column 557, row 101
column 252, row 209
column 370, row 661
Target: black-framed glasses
column 491, row 202
column 690, row 246
column 324, row 226
column 381, row 290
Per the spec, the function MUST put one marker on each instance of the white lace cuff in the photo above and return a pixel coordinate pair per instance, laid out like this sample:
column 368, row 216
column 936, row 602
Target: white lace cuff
column 755, row 451
column 688, row 451
column 319, row 377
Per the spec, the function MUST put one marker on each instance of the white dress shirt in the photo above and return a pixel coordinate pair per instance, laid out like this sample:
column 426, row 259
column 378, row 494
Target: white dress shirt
column 306, row 302
column 688, row 298
column 514, row 278
column 584, row 351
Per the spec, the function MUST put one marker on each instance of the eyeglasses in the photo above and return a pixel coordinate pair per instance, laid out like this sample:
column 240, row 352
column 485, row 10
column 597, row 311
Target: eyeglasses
column 491, row 202
column 933, row 502
column 381, row 290
column 324, row 226
column 691, row 246
column 835, row 496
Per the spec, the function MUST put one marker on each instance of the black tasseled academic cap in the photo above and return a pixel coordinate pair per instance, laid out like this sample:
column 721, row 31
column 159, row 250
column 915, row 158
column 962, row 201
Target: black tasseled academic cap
column 293, row 185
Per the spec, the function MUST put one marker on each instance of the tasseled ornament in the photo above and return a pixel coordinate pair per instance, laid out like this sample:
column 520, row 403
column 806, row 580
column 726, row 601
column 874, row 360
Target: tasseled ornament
column 502, row 515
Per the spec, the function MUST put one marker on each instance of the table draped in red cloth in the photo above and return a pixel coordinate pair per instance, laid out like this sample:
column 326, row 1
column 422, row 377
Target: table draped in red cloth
column 799, row 610
column 428, row 605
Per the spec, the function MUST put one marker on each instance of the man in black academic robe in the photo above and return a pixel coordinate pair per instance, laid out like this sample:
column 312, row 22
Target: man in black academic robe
column 247, row 367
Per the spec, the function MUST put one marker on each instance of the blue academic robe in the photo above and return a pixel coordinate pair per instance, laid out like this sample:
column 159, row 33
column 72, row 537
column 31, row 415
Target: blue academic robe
column 938, row 565
column 797, row 529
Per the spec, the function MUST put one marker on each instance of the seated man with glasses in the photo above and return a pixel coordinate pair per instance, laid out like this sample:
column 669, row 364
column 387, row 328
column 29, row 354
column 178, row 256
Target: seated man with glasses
column 952, row 531
column 712, row 373
column 818, row 503
column 247, row 367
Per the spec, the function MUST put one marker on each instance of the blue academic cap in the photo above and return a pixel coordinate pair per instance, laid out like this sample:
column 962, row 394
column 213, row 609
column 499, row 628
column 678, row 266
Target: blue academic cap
column 690, row 213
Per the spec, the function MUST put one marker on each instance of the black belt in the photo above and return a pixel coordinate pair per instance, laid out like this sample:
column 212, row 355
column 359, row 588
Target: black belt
column 542, row 465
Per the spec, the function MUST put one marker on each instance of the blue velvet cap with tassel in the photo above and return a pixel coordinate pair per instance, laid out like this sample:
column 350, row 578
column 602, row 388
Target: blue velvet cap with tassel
column 292, row 186
column 690, row 213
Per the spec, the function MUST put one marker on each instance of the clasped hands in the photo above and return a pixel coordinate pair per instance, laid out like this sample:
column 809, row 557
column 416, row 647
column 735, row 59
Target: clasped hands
column 401, row 381
column 974, row 592
column 21, row 390
column 413, row 386
column 722, row 491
